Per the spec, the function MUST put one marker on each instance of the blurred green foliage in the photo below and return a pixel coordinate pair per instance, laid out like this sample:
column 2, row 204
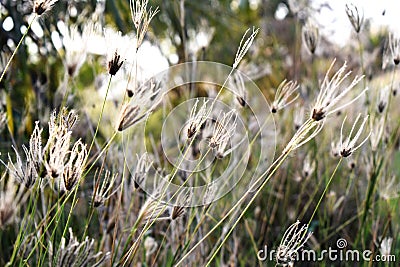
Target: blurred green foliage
column 29, row 82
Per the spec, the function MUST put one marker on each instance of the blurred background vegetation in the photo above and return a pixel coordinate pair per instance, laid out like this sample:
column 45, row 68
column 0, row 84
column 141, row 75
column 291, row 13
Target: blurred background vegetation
column 37, row 70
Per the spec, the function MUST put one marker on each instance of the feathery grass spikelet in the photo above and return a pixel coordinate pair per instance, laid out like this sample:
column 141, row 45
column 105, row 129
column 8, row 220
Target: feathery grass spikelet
column 114, row 64
column 310, row 34
column 308, row 167
column 298, row 117
column 355, row 16
column 183, row 200
column 331, row 93
column 114, row 60
column 144, row 163
column 285, row 95
column 41, row 7
column 27, row 172
column 383, row 99
column 152, row 211
column 58, row 148
column 141, row 18
column 391, row 51
column 394, row 46
column 75, row 45
column 196, row 119
column 244, row 47
column 347, row 146
column 307, row 131
column 292, row 241
column 74, row 167
column 224, row 129
column 102, row 191
column 11, row 199
column 75, row 253
column 128, row 117
column 143, row 102
column 117, row 48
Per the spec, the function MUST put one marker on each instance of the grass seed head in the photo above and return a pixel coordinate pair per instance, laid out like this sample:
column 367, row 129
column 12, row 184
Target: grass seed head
column 394, row 46
column 41, row 7
column 285, row 95
column 292, row 241
column 141, row 18
column 348, row 146
column 356, row 17
column 310, row 34
column 332, row 91
column 75, row 253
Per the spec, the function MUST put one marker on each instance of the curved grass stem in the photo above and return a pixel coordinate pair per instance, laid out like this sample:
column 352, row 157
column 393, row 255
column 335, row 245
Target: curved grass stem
column 101, row 114
column 276, row 166
column 277, row 163
column 16, row 49
column 324, row 192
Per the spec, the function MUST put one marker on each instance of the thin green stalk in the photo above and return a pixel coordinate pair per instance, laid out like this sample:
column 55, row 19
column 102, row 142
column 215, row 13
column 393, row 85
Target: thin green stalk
column 176, row 169
column 361, row 53
column 269, row 172
column 59, row 215
column 253, row 242
column 101, row 114
column 112, row 258
column 174, row 172
column 314, row 70
column 197, row 227
column 92, row 209
column 256, row 194
column 106, row 146
column 16, row 49
column 251, row 143
column 149, row 225
column 230, row 211
column 48, row 224
column 306, row 185
column 74, row 200
column 24, row 225
column 282, row 158
column 323, row 193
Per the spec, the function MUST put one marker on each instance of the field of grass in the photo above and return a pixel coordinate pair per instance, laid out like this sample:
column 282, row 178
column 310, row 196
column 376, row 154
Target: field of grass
column 197, row 133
